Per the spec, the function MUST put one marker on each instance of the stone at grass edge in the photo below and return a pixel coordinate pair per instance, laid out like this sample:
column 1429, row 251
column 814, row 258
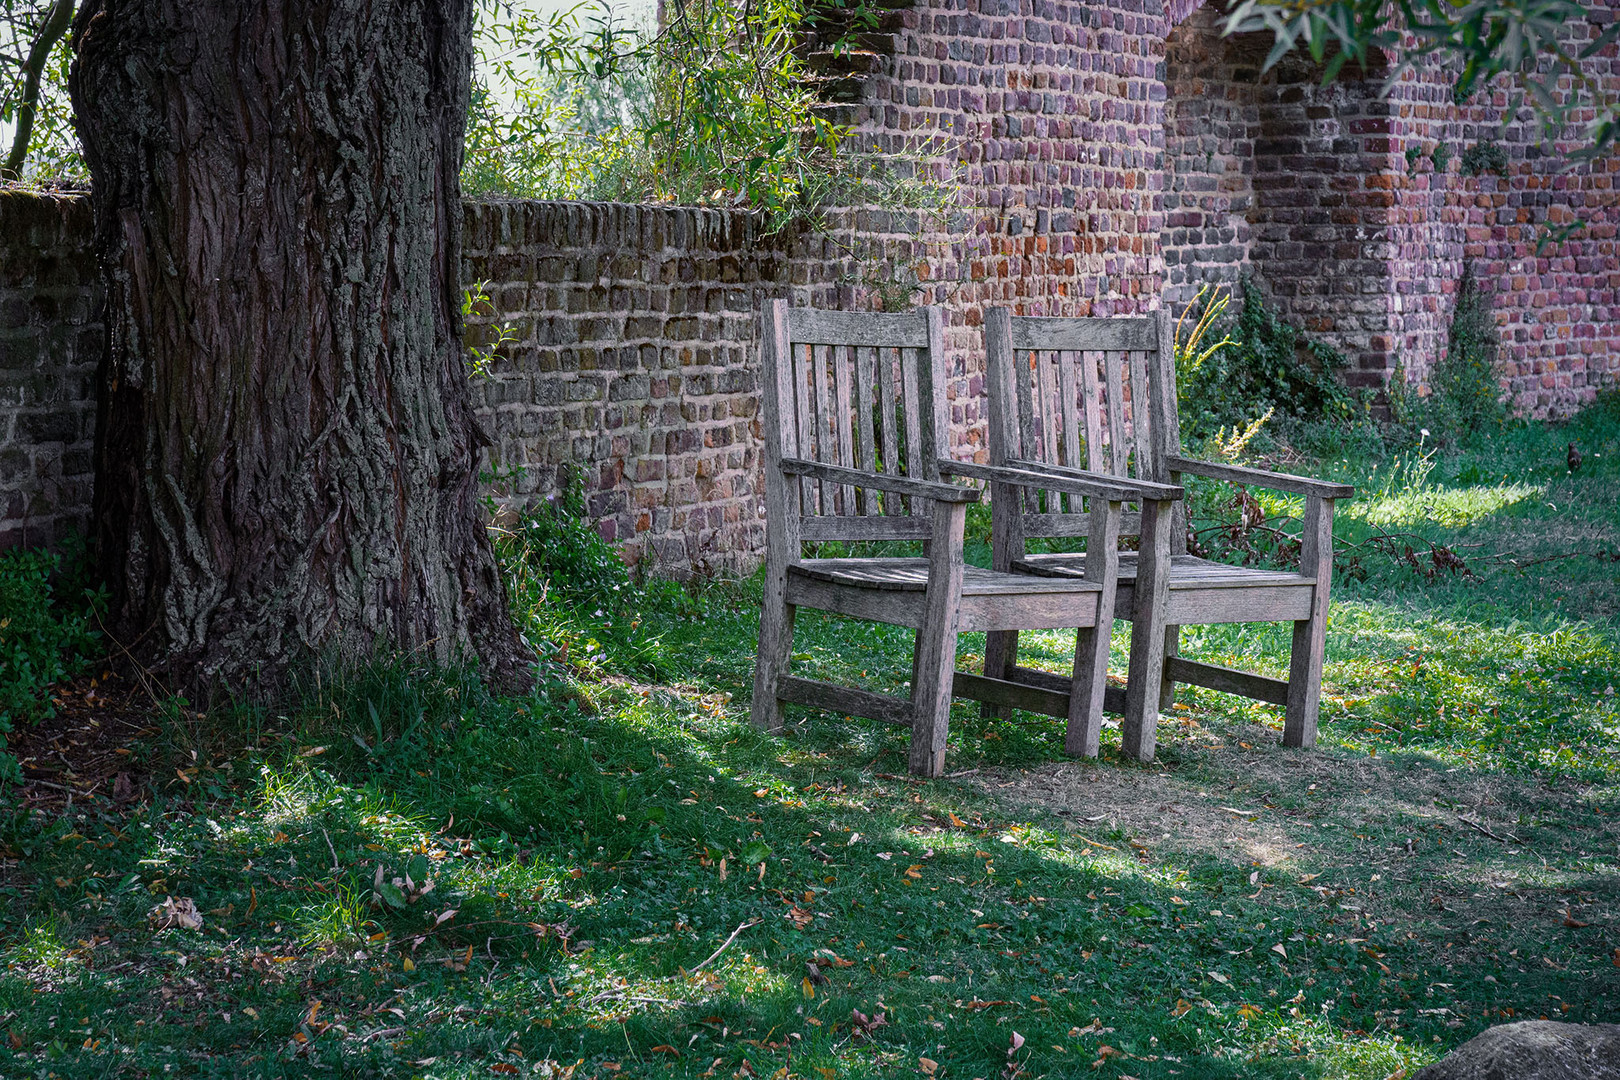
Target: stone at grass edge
column 1533, row 1050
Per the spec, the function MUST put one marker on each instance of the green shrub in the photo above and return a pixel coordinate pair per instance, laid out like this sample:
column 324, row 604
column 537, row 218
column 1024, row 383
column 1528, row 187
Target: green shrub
column 43, row 638
column 572, row 596
column 1266, row 364
column 716, row 105
column 1467, row 399
column 1464, row 402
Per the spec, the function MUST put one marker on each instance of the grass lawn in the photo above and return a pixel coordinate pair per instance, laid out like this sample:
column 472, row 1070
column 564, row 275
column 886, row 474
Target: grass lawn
column 406, row 877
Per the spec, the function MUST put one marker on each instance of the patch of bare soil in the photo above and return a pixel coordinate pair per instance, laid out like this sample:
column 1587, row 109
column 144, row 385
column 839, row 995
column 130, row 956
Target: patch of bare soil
column 83, row 751
column 1402, row 838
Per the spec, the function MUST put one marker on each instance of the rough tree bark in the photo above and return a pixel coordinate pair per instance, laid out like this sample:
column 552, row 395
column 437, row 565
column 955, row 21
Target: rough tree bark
column 286, row 454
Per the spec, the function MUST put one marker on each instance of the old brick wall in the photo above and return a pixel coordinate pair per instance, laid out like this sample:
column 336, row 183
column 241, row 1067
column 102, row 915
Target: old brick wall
column 1276, row 176
column 632, row 360
column 50, row 342
column 1557, row 304
column 1311, row 190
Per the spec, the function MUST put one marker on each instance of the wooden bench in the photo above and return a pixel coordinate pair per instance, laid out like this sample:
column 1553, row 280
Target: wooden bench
column 854, row 415
column 1088, row 396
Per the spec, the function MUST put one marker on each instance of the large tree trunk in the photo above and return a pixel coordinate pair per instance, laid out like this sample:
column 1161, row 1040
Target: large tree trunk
column 286, row 457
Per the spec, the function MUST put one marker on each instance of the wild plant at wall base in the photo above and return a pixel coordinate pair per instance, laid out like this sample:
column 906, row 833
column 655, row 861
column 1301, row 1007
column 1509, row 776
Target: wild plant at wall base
column 46, row 634
column 572, row 596
column 1263, row 364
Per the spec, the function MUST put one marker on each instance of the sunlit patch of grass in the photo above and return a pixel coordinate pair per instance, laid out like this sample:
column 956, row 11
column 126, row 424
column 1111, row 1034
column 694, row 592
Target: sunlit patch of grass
column 42, row 945
column 1451, row 507
column 340, row 920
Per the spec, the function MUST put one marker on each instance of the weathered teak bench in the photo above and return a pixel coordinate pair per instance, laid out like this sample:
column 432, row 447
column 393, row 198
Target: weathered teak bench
column 854, row 411
column 1067, row 394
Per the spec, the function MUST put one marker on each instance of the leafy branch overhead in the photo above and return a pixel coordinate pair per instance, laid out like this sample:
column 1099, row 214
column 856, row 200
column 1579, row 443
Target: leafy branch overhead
column 716, row 105
column 33, row 74
column 1538, row 45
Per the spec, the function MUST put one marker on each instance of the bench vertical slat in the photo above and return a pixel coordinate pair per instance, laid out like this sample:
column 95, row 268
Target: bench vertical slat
column 823, row 414
column 843, row 363
column 803, row 365
column 1098, row 461
column 889, row 421
column 936, row 440
column 865, row 446
column 913, row 421
column 1141, row 414
column 1068, row 417
column 1023, row 364
column 1118, row 451
column 1051, row 420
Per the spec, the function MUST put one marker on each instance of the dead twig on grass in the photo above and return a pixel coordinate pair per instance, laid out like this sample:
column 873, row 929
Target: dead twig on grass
column 724, row 944
column 1482, row 830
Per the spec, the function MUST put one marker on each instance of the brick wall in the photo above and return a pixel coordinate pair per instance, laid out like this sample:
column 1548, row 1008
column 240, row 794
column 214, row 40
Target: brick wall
column 1558, row 305
column 633, row 360
column 1279, row 177
column 50, row 342
column 1309, row 188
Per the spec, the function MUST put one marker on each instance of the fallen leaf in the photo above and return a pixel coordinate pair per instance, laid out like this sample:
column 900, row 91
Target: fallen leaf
column 175, row 911
column 665, row 1048
column 1279, row 950
column 503, row 1067
column 928, row 1066
column 1218, row 977
column 407, row 965
column 1572, row 922
column 1182, row 1007
column 1017, row 1043
column 809, row 987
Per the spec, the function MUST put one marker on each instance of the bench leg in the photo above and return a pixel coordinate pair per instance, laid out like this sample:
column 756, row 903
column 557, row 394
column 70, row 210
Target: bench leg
column 1167, row 688
column 1140, row 727
column 934, row 661
column 1091, row 643
column 1310, row 635
column 775, row 653
column 1305, row 683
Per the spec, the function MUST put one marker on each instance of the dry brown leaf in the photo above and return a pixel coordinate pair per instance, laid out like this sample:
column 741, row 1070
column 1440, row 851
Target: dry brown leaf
column 175, row 911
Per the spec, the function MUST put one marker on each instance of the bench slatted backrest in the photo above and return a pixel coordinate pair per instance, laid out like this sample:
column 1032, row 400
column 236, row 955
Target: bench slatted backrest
column 862, row 390
column 1095, row 394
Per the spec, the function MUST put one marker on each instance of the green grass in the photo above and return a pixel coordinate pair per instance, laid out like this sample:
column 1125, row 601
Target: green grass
column 1234, row 910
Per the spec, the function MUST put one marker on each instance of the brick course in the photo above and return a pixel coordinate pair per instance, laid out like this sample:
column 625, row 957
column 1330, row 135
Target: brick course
column 51, row 338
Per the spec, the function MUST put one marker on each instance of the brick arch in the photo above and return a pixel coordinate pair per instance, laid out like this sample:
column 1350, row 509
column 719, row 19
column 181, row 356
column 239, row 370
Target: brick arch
column 1276, row 175
column 1176, row 11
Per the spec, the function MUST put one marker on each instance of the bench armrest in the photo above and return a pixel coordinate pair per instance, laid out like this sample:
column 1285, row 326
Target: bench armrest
column 1138, row 489
column 1070, row 481
column 1239, row 474
column 900, row 485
